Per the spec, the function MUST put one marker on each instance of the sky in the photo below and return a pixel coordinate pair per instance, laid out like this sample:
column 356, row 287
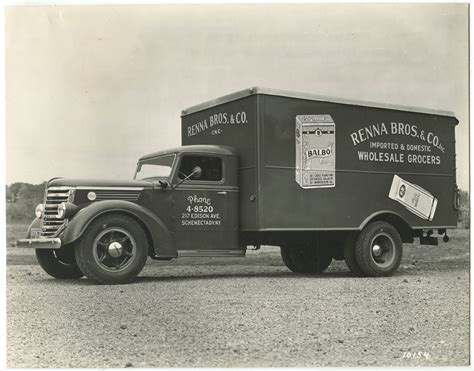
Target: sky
column 89, row 89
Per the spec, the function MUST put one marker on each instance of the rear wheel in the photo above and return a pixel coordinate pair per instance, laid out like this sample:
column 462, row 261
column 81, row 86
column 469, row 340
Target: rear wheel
column 304, row 259
column 112, row 250
column 286, row 257
column 59, row 263
column 350, row 255
column 379, row 249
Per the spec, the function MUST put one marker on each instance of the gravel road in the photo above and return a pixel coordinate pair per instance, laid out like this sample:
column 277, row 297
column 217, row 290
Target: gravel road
column 244, row 312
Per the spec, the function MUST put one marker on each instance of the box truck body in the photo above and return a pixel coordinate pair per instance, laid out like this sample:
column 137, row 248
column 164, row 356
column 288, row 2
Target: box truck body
column 309, row 163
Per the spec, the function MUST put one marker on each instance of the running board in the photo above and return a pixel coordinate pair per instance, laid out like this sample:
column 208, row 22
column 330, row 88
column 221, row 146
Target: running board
column 210, row 253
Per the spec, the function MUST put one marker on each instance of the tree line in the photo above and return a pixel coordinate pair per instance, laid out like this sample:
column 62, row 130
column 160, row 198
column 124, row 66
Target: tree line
column 21, row 201
column 22, row 198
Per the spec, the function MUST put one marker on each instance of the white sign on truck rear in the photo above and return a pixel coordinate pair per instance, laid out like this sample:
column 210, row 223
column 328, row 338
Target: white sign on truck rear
column 315, row 151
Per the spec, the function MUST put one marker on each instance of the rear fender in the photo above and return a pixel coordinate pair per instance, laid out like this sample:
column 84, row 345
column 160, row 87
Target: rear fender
column 157, row 232
column 394, row 219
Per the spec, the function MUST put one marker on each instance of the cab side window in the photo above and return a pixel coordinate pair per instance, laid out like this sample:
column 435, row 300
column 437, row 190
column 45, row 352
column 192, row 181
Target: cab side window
column 211, row 167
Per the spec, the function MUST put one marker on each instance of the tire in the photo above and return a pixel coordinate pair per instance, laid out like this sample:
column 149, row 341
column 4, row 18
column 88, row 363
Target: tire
column 59, row 263
column 324, row 260
column 286, row 257
column 308, row 260
column 379, row 249
column 112, row 250
column 350, row 255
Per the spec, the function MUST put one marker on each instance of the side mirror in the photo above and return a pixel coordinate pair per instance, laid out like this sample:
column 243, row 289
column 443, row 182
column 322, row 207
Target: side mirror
column 197, row 172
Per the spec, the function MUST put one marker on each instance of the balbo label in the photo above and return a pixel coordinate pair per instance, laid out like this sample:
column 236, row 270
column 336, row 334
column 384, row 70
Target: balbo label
column 315, row 137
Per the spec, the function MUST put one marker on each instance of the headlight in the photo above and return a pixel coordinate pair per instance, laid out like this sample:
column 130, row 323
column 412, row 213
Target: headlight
column 66, row 210
column 39, row 210
column 62, row 210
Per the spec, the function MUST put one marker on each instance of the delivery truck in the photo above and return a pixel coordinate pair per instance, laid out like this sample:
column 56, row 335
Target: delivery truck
column 319, row 178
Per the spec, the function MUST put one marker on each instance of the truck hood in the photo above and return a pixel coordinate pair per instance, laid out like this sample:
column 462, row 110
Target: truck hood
column 77, row 182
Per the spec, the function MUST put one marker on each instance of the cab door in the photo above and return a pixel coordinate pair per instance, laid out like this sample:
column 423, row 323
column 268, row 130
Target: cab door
column 205, row 206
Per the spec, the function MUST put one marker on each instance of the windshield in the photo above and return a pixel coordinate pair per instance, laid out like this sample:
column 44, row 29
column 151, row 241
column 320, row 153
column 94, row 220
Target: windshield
column 155, row 168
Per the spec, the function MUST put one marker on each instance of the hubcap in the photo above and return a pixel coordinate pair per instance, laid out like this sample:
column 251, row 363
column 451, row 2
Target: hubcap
column 383, row 250
column 114, row 249
column 376, row 250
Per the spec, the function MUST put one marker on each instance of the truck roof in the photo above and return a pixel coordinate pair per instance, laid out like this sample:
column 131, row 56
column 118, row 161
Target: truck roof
column 207, row 149
column 260, row 90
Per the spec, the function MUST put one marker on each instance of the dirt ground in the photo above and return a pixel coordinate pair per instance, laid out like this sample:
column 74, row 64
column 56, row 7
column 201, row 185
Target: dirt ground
column 244, row 312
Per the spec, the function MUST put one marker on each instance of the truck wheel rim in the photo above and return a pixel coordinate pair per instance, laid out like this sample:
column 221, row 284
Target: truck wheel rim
column 114, row 249
column 382, row 250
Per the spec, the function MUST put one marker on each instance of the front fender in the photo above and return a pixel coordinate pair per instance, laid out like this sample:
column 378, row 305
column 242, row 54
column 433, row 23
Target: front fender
column 161, row 238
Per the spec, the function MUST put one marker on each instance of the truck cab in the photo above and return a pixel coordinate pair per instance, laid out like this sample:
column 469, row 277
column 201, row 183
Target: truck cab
column 181, row 202
column 195, row 190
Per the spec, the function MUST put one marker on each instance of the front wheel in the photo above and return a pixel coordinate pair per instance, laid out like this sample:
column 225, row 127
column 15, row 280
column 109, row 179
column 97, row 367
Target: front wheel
column 379, row 249
column 112, row 250
column 59, row 263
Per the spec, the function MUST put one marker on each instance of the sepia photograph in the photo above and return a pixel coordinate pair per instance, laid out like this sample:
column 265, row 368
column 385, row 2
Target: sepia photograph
column 237, row 185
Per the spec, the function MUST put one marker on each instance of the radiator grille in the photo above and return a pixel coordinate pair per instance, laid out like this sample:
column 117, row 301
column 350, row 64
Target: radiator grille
column 51, row 223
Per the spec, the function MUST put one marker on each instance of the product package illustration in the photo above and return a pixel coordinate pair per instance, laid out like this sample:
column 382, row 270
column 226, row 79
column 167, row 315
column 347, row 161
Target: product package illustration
column 315, row 151
column 416, row 199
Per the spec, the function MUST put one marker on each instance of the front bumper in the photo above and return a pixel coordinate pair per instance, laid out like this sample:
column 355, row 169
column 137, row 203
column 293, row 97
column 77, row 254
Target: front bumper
column 40, row 243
